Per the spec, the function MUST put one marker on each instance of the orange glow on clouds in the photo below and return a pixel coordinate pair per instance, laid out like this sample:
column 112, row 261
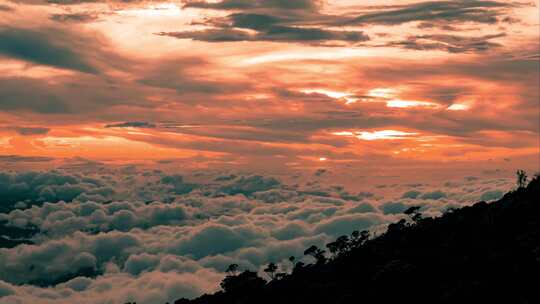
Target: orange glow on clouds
column 153, row 10
column 180, row 81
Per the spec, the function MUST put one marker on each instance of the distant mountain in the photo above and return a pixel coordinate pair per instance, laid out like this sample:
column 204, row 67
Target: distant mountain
column 485, row 253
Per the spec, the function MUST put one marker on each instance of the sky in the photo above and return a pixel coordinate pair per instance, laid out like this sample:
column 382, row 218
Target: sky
column 272, row 85
column 153, row 143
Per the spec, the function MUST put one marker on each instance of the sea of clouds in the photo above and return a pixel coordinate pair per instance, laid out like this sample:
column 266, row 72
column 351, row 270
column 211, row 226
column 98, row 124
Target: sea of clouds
column 149, row 236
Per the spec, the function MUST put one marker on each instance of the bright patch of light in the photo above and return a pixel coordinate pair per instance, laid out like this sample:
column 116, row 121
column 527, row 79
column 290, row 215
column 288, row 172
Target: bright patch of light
column 323, row 159
column 344, row 133
column 257, row 96
column 398, row 103
column 384, row 134
column 138, row 133
column 377, row 135
column 458, row 107
column 394, row 102
column 162, row 9
column 71, row 142
column 350, row 100
column 382, row 93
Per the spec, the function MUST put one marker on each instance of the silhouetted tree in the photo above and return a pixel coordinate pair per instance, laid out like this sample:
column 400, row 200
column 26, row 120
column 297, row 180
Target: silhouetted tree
column 339, row 246
column 364, row 236
column 333, row 248
column 316, row 253
column 521, row 178
column 450, row 210
column 245, row 281
column 271, row 270
column 292, row 259
column 414, row 213
column 400, row 225
column 358, row 238
column 298, row 267
column 232, row 270
column 355, row 235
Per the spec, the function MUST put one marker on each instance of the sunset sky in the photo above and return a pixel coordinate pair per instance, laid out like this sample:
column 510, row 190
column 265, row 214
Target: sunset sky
column 271, row 84
column 153, row 143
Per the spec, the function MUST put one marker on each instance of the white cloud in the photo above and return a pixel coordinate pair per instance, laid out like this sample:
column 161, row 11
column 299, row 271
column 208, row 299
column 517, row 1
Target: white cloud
column 154, row 242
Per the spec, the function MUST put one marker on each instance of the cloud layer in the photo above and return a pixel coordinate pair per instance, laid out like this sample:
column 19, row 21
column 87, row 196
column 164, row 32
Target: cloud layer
column 179, row 245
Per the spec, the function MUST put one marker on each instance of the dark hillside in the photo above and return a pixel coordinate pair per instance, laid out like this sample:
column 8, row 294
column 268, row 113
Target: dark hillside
column 485, row 253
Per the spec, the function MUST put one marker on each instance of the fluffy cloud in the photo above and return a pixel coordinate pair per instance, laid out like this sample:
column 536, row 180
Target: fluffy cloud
column 341, row 225
column 249, row 185
column 491, row 195
column 150, row 287
column 64, row 218
column 52, row 186
column 157, row 251
column 434, row 195
column 215, row 239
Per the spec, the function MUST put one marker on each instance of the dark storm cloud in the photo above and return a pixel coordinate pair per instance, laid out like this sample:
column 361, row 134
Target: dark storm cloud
column 286, row 33
column 70, row 48
column 211, row 35
column 275, row 33
column 287, row 21
column 74, row 17
column 132, row 124
column 44, row 46
column 449, row 43
column 447, row 11
column 27, row 131
column 32, row 131
column 254, row 21
column 5, row 8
